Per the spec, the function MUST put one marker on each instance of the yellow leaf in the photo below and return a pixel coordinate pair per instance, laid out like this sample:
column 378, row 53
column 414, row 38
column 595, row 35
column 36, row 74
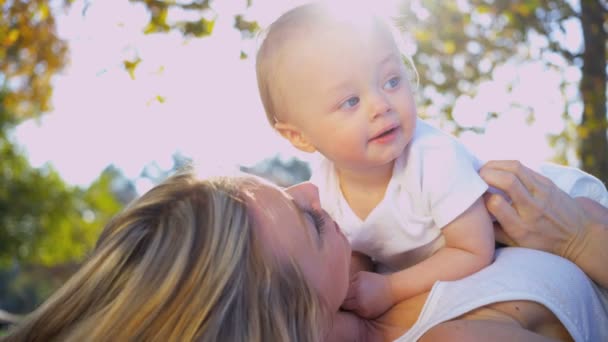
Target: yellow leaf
column 131, row 65
column 43, row 11
column 522, row 8
column 11, row 37
column 483, row 9
column 449, row 47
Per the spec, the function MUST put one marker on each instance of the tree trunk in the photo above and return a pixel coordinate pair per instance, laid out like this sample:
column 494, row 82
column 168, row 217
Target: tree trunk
column 593, row 149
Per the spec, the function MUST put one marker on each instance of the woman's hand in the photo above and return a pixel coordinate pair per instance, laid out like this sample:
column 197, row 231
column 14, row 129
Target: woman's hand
column 542, row 216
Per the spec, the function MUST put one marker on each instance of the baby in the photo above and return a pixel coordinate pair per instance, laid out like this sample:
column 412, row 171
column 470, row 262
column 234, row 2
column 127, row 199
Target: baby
column 406, row 195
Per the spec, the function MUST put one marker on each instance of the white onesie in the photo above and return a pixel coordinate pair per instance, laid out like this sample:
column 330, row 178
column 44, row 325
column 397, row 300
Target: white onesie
column 433, row 182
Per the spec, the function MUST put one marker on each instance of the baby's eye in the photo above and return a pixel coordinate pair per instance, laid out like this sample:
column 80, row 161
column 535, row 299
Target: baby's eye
column 392, row 83
column 350, row 103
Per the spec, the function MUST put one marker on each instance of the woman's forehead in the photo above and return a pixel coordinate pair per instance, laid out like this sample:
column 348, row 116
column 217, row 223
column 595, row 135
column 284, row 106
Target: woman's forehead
column 257, row 190
column 267, row 204
column 277, row 217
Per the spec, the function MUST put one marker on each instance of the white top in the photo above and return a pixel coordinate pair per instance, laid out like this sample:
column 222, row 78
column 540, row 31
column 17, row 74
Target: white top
column 522, row 274
column 433, row 182
column 575, row 182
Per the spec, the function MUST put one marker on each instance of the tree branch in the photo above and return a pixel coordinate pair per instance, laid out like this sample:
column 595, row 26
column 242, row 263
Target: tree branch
column 6, row 317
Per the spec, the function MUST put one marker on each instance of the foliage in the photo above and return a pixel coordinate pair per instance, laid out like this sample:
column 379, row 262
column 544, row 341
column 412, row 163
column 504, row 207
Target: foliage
column 30, row 54
column 284, row 173
column 22, row 290
column 46, row 226
column 43, row 221
column 459, row 43
column 161, row 21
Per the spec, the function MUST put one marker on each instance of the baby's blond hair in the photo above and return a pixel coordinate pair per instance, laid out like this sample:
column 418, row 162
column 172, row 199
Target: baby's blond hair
column 305, row 20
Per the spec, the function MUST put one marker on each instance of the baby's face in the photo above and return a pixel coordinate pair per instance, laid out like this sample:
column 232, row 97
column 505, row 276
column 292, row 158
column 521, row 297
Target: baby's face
column 345, row 88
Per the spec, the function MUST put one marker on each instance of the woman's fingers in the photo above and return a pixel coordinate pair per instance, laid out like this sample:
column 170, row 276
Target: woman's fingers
column 507, row 182
column 502, row 211
column 514, row 167
column 502, row 237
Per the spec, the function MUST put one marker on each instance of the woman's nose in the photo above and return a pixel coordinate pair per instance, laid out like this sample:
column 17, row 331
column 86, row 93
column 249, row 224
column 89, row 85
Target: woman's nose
column 305, row 194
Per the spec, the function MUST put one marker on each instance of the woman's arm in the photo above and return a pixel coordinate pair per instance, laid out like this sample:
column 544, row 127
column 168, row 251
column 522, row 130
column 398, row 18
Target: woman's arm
column 589, row 250
column 542, row 216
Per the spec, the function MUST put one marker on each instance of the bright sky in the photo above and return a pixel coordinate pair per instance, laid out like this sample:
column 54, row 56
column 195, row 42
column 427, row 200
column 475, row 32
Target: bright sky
column 211, row 110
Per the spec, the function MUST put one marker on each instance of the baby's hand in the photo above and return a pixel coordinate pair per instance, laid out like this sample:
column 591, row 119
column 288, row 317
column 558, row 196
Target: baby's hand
column 369, row 295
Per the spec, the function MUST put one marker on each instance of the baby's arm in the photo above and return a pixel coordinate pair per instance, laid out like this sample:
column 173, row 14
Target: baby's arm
column 469, row 247
column 360, row 262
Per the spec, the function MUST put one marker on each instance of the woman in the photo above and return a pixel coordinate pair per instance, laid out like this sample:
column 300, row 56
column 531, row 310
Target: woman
column 182, row 263
column 237, row 259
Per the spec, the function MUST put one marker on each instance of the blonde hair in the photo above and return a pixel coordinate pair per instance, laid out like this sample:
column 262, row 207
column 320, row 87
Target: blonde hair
column 181, row 263
column 305, row 20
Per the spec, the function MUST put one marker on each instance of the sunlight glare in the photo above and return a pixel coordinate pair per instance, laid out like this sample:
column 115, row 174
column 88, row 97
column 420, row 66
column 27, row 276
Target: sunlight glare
column 210, row 108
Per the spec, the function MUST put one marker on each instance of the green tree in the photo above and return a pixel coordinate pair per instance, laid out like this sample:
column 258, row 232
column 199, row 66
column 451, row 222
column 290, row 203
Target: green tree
column 493, row 32
column 460, row 43
column 43, row 221
column 30, row 54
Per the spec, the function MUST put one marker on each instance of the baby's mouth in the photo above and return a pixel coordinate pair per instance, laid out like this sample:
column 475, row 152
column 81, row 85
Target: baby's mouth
column 385, row 133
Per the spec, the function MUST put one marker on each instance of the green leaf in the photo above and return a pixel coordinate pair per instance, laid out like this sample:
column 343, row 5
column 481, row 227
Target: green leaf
column 199, row 28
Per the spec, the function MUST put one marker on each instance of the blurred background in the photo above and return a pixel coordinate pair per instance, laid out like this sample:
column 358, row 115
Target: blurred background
column 102, row 99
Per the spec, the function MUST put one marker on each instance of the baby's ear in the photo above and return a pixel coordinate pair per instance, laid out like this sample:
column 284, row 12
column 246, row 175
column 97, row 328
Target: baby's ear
column 295, row 137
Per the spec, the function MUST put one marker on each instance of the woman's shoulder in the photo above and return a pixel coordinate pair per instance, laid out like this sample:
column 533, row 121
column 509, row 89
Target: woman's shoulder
column 399, row 319
column 348, row 327
column 520, row 274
